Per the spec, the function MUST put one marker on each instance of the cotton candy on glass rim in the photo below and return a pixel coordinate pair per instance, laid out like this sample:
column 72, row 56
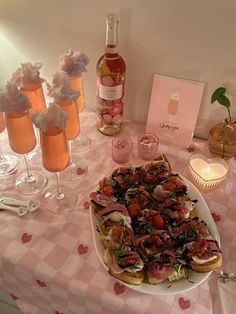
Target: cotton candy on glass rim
column 73, row 63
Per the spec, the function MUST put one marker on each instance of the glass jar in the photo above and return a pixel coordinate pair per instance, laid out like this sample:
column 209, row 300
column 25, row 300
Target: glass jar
column 222, row 139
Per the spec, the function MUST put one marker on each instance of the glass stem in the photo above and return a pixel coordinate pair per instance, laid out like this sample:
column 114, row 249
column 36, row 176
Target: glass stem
column 2, row 158
column 69, row 151
column 29, row 178
column 59, row 194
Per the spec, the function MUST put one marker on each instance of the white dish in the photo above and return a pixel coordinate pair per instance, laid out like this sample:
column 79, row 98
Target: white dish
column 168, row 288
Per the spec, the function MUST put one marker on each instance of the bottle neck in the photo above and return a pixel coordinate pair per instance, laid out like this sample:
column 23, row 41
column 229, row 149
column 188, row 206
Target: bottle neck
column 111, row 49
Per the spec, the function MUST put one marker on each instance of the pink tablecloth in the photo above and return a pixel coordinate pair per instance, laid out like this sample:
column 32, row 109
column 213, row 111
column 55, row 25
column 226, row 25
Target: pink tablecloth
column 49, row 264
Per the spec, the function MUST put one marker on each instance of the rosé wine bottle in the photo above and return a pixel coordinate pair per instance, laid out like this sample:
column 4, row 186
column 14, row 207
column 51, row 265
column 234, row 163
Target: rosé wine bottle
column 36, row 97
column 111, row 70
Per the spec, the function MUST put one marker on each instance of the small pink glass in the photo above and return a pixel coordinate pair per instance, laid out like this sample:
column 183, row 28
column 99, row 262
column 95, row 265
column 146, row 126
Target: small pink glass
column 147, row 146
column 122, row 148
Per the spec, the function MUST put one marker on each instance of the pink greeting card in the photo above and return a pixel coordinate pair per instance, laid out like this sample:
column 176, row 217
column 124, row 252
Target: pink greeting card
column 174, row 108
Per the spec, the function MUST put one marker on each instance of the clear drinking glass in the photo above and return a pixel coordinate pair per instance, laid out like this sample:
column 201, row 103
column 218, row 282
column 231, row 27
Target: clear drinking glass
column 8, row 162
column 76, row 168
column 82, row 142
column 22, row 141
column 55, row 157
column 35, row 94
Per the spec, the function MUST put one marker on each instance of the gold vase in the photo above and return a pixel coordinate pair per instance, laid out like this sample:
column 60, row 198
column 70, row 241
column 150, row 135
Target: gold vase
column 222, row 139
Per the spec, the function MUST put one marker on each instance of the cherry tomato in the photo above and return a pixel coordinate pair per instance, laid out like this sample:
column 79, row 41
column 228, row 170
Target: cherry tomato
column 169, row 186
column 158, row 221
column 157, row 240
column 130, row 259
column 108, row 190
column 199, row 247
column 134, row 210
column 122, row 234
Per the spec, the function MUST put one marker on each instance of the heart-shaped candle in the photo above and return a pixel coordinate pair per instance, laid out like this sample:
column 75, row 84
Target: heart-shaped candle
column 207, row 174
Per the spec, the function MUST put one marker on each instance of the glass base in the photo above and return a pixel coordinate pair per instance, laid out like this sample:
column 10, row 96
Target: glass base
column 8, row 164
column 76, row 170
column 81, row 143
column 35, row 156
column 62, row 203
column 30, row 185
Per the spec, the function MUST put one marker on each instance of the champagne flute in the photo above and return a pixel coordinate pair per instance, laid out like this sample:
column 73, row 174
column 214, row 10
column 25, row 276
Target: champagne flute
column 76, row 168
column 22, row 141
column 8, row 162
column 83, row 141
column 76, row 83
column 55, row 157
column 35, row 95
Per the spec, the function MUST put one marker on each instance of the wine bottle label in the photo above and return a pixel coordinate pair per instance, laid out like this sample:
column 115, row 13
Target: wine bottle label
column 110, row 92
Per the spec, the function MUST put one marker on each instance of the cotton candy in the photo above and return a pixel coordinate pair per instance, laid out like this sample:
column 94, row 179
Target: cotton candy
column 13, row 100
column 54, row 117
column 73, row 63
column 60, row 89
column 27, row 74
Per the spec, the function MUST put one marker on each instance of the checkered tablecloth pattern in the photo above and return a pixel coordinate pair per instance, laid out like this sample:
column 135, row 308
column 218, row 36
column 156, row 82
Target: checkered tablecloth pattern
column 48, row 262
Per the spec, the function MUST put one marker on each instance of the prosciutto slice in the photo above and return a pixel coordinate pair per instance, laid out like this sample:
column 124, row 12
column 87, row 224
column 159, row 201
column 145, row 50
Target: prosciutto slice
column 112, row 209
column 160, row 271
column 101, row 198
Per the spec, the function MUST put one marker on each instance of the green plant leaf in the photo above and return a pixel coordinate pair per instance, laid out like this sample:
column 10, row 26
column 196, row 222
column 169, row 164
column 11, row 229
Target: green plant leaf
column 217, row 93
column 224, row 101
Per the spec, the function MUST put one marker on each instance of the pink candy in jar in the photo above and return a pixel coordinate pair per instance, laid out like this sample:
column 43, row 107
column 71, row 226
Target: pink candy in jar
column 121, row 149
column 147, row 146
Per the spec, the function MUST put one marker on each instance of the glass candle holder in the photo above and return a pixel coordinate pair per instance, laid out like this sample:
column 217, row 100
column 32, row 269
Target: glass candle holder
column 122, row 148
column 207, row 174
column 147, row 146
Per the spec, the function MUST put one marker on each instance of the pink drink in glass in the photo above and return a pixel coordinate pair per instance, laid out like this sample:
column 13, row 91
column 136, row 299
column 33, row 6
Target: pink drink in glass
column 76, row 83
column 147, row 146
column 36, row 97
column 72, row 128
column 55, row 154
column 20, row 132
column 2, row 122
column 122, row 149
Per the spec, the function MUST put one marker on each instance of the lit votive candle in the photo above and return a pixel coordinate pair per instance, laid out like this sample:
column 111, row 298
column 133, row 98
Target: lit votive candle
column 122, row 148
column 147, row 146
column 207, row 174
